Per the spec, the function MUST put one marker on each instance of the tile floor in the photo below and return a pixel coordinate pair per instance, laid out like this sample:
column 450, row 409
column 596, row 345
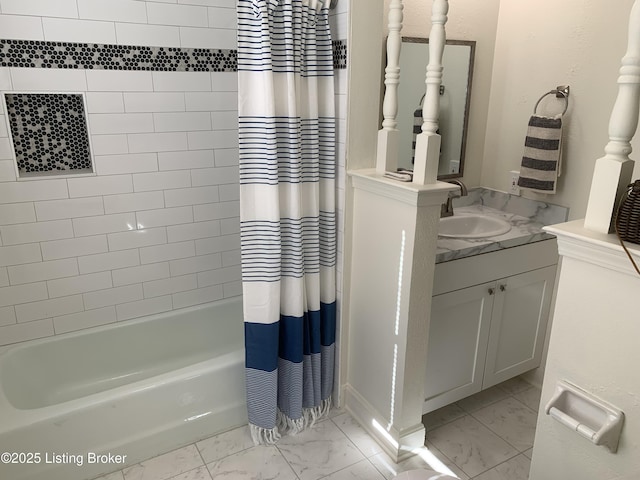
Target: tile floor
column 487, row 436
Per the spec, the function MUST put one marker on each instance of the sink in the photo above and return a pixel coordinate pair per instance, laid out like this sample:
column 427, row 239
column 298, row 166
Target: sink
column 472, row 226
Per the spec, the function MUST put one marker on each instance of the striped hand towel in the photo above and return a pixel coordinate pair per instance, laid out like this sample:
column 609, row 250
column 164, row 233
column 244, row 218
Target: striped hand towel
column 541, row 161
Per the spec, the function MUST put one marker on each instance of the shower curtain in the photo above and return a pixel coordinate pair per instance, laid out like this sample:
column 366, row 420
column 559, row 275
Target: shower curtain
column 287, row 212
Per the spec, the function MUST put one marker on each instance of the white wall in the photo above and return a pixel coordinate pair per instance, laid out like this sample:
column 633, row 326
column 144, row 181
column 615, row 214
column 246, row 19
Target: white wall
column 540, row 45
column 157, row 228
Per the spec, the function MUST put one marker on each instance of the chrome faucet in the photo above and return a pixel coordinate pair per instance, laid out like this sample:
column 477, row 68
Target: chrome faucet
column 446, row 209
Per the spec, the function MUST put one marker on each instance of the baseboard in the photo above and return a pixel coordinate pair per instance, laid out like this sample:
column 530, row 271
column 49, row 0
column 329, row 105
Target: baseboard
column 398, row 444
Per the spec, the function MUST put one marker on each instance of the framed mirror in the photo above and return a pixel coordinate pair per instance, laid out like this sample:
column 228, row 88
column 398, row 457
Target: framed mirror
column 455, row 94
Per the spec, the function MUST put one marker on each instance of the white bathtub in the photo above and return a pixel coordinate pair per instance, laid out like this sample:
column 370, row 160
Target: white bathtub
column 135, row 389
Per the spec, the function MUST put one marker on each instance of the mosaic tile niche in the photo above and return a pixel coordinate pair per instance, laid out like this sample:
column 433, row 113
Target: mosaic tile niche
column 49, row 133
column 339, row 54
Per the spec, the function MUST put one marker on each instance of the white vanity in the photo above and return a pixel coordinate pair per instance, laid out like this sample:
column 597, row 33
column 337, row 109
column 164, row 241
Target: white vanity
column 491, row 299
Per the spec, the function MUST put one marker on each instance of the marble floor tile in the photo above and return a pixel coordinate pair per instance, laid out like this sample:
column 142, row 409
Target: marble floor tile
column 257, row 463
column 511, row 420
column 430, row 458
column 319, row 451
column 479, row 437
column 482, row 399
column 200, row 473
column 165, row 466
column 452, row 467
column 470, row 445
column 335, row 411
column 358, row 435
column 225, row 444
column 514, row 385
column 516, row 468
column 441, row 416
column 387, row 467
column 112, row 476
column 530, row 397
column 363, row 470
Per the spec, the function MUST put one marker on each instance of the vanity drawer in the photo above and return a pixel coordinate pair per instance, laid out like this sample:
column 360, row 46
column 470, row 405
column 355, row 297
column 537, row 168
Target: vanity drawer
column 486, row 267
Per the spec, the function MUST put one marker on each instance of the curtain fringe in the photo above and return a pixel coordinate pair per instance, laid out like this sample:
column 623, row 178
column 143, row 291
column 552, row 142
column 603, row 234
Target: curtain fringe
column 264, row 436
column 290, row 426
column 309, row 417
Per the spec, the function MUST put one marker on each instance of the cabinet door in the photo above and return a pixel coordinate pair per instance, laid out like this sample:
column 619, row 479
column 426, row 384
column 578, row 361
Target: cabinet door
column 456, row 350
column 518, row 325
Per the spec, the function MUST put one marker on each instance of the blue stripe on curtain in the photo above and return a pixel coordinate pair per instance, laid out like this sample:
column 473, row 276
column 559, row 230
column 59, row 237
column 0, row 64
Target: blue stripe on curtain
column 292, row 338
column 261, row 343
column 297, row 337
column 328, row 326
column 286, row 130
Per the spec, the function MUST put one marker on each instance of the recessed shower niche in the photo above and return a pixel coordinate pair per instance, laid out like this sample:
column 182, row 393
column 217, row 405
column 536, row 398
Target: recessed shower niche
column 49, row 133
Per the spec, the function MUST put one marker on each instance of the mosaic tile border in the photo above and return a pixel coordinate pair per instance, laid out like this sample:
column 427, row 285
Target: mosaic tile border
column 68, row 55
column 89, row 56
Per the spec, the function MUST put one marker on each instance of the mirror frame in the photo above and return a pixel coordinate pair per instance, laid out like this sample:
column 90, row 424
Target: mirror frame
column 465, row 127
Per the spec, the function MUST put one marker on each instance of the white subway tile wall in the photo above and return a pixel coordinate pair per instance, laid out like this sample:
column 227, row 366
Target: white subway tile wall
column 4, row 277
column 84, row 251
column 63, row 29
column 19, row 27
column 148, row 35
column 193, row 37
column 157, row 227
column 339, row 21
column 45, row 8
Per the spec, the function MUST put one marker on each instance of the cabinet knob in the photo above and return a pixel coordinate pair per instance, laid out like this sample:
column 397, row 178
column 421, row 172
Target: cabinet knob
column 503, row 287
column 491, row 291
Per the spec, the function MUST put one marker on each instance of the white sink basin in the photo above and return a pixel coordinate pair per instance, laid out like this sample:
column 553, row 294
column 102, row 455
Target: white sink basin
column 472, row 226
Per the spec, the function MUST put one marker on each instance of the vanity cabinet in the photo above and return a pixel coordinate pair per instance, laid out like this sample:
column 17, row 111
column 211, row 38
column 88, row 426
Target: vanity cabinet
column 521, row 305
column 457, row 346
column 488, row 320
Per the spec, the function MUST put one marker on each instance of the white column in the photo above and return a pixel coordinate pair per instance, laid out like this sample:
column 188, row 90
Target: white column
column 613, row 171
column 395, row 230
column 425, row 170
column 387, row 154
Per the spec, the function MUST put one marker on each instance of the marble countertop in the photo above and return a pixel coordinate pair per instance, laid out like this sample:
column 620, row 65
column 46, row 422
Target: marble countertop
column 526, row 224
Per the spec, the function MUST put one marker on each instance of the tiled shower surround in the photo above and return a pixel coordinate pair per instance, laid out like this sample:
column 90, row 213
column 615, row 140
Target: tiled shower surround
column 156, row 228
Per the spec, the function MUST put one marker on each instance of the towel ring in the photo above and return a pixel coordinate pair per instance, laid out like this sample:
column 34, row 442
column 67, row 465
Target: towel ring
column 559, row 92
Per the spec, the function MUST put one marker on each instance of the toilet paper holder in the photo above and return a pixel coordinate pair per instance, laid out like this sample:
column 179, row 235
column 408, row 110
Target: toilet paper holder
column 592, row 418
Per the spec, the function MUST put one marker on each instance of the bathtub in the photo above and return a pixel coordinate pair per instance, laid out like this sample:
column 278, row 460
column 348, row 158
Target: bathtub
column 130, row 390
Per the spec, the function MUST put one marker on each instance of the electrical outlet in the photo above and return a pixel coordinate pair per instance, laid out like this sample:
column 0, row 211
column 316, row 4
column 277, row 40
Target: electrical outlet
column 514, row 189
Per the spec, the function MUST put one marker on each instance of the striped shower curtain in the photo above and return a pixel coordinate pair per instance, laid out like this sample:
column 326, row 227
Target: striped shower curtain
column 287, row 212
